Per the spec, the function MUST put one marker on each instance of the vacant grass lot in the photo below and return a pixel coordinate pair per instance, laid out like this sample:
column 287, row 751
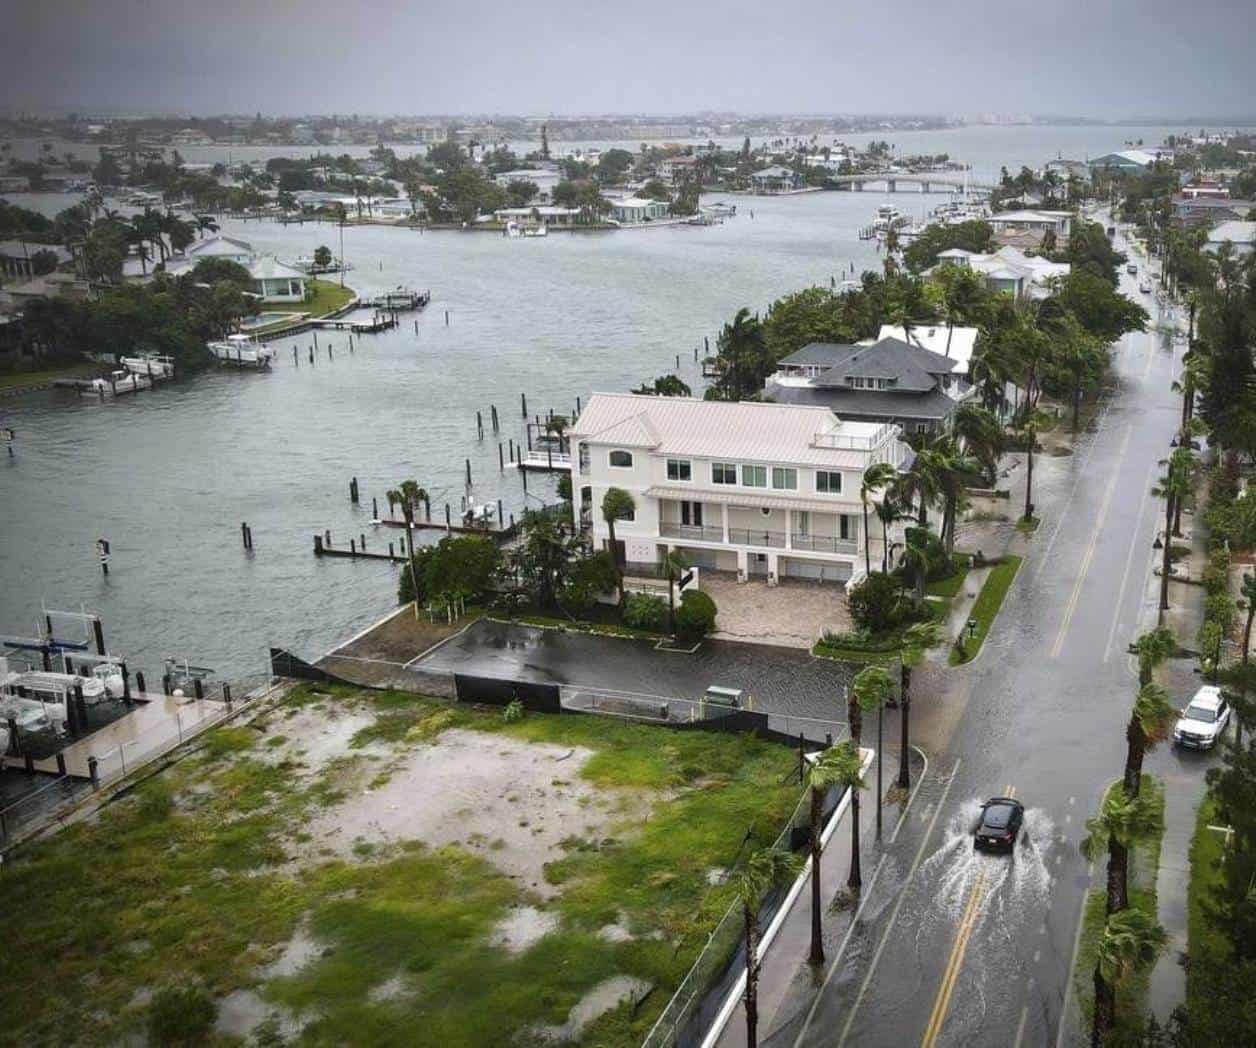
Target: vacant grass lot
column 209, row 872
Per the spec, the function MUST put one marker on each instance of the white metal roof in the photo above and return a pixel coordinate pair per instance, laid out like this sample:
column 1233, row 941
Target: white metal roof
column 758, row 432
column 934, row 337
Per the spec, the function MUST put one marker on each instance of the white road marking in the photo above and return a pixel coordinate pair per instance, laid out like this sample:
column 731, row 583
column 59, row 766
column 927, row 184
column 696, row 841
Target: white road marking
column 1068, row 983
column 1129, row 560
column 1020, row 1026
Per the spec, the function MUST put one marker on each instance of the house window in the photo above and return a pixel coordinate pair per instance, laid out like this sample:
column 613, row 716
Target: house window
column 784, row 478
column 843, row 526
column 723, row 473
column 754, row 476
column 829, row 481
column 691, row 513
column 803, row 519
column 583, row 456
column 621, row 459
column 678, row 469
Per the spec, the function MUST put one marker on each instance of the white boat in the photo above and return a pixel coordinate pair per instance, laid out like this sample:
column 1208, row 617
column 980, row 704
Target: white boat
column 242, row 351
column 513, row 229
column 151, row 367
column 540, row 231
column 479, row 515
column 887, row 216
column 308, row 265
column 116, row 384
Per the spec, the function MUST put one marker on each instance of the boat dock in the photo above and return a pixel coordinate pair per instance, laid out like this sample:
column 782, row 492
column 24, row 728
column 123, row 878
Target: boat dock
column 401, row 300
column 545, row 460
column 380, row 321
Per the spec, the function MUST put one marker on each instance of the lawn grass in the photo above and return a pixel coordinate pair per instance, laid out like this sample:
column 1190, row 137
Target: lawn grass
column 987, row 606
column 1144, row 865
column 327, row 298
column 21, row 379
column 183, row 880
column 1206, row 945
column 950, row 586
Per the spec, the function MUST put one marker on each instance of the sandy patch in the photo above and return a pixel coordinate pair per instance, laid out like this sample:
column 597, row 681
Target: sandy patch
column 390, row 990
column 315, row 736
column 512, row 802
column 598, row 1001
column 242, row 1012
column 522, row 928
column 298, row 951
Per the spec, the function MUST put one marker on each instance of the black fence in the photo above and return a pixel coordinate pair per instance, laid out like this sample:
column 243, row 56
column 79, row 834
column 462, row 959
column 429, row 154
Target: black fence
column 543, row 698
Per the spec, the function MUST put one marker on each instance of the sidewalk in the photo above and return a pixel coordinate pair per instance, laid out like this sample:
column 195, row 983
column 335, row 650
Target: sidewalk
column 787, row 983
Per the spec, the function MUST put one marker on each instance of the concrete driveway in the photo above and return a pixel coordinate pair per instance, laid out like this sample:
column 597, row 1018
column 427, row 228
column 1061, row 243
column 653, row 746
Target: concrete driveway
column 793, row 614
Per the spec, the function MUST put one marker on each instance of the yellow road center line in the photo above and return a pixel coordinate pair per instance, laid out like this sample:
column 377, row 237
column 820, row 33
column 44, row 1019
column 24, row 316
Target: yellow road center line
column 942, row 1002
column 1071, row 607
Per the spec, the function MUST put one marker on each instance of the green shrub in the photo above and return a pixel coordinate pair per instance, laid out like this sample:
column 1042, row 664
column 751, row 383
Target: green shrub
column 590, row 577
column 181, row 1015
column 695, row 617
column 874, row 602
column 1219, row 608
column 513, row 711
column 1216, row 574
column 462, row 566
column 644, row 612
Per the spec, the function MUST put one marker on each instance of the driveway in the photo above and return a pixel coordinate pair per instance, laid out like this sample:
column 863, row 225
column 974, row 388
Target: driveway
column 793, row 614
column 784, row 682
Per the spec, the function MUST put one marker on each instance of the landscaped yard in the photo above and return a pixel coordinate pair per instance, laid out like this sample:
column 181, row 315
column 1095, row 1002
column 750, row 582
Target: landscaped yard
column 986, row 606
column 328, row 297
column 368, row 868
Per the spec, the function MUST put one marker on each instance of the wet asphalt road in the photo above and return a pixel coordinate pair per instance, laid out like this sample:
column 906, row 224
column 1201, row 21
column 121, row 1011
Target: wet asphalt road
column 977, row 949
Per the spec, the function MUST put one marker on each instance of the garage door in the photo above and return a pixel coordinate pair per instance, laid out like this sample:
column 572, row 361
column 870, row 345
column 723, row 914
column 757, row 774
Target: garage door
column 820, row 570
column 703, row 558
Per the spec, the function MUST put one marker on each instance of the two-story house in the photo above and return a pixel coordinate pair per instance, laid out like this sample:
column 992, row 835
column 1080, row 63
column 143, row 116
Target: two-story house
column 887, row 381
column 763, row 490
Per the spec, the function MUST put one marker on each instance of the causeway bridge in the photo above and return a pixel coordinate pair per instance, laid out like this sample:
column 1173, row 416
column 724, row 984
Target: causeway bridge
column 935, row 182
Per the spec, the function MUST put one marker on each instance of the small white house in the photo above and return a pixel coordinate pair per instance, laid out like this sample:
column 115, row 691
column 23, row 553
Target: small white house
column 276, row 282
column 634, row 210
column 230, row 248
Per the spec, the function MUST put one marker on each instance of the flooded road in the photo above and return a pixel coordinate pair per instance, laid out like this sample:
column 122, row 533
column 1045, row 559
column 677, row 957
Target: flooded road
column 965, row 948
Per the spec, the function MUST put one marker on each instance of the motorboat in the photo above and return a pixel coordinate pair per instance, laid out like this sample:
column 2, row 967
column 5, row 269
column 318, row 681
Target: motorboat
column 242, row 351
column 118, row 382
column 153, row 368
column 888, row 216
column 479, row 515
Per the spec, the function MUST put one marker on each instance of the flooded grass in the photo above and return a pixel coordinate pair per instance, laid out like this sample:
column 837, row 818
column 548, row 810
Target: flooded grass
column 210, row 875
column 987, row 605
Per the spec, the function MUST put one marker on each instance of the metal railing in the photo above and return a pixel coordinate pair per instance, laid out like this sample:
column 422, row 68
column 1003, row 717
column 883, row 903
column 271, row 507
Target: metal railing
column 755, row 537
column 695, row 532
column 823, row 543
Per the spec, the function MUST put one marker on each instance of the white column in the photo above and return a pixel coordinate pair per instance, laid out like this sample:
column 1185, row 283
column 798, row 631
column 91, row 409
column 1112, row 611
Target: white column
column 789, row 529
column 724, row 520
column 774, row 569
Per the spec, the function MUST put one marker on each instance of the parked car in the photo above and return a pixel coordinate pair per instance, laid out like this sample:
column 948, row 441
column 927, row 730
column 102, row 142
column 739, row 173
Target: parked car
column 1000, row 824
column 1144, row 286
column 1132, row 269
column 1203, row 721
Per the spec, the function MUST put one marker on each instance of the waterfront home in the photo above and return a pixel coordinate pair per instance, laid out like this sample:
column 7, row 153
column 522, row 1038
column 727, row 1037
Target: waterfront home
column 1208, row 211
column 229, row 248
column 1067, row 169
column 15, row 256
column 635, row 210
column 887, row 381
column 545, row 179
column 1205, row 187
column 677, row 168
column 1009, row 269
column 273, row 281
column 1036, row 223
column 541, row 215
column 768, row 491
column 775, row 179
column 957, row 343
column 1241, row 236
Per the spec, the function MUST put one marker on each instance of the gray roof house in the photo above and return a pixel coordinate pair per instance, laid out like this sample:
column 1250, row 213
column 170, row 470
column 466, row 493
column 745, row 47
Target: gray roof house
column 885, row 381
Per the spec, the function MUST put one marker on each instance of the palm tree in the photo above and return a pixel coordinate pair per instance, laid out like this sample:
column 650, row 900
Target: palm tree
column 923, row 482
column 205, row 224
column 617, row 504
column 888, row 513
column 408, row 495
column 1149, row 724
column 917, row 558
column 918, row 639
column 829, row 769
column 962, row 296
column 675, row 564
column 764, row 870
column 1131, row 940
column 1152, row 648
column 1174, row 485
column 849, row 767
column 955, row 471
column 876, row 477
column 982, row 436
column 870, row 690
column 1121, row 821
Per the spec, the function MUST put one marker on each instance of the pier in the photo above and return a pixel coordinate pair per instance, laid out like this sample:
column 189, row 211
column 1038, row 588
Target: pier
column 402, row 300
column 380, row 321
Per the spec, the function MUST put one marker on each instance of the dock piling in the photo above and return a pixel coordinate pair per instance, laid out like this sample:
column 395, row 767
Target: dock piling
column 139, row 681
column 446, row 318
column 350, row 343
column 427, row 509
column 447, row 521
column 311, row 354
column 98, row 634
column 499, row 513
column 362, row 541
column 353, row 545
column 493, row 415
column 523, row 402
column 390, row 551
column 479, row 425
column 296, row 360
column 468, row 472
column 578, row 408
column 374, row 508
column 501, row 458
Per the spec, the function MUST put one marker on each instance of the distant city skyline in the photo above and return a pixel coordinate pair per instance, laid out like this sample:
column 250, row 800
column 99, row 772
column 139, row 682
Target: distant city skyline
column 1126, row 60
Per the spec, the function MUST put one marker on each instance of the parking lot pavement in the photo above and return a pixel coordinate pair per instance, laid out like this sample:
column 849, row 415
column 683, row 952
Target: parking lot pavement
column 784, row 681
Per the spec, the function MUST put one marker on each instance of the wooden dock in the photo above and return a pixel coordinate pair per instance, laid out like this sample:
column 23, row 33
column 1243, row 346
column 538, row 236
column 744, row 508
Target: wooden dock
column 379, row 322
column 547, row 461
column 497, row 534
column 403, row 300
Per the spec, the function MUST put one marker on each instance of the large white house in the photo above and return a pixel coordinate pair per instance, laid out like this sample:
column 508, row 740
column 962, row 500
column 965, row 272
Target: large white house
column 763, row 490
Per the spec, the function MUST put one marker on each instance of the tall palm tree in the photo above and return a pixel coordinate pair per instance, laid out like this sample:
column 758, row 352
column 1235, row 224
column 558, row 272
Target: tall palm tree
column 408, row 495
column 871, row 690
column 918, row 639
column 982, row 436
column 875, row 478
column 205, row 224
column 962, row 296
column 829, row 769
column 766, row 869
column 616, row 505
column 850, row 765
column 956, row 470
column 1152, row 648
column 675, row 564
column 923, row 482
column 1131, row 940
column 1150, row 720
column 1174, row 485
column 1121, row 821
column 917, row 558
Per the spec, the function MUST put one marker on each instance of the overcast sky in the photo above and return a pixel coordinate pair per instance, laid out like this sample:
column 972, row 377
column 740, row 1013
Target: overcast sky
column 1101, row 58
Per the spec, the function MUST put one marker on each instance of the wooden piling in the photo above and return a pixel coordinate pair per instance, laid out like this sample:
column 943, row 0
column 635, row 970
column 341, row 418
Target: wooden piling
column 374, row 508
column 523, row 402
column 468, row 472
column 493, row 415
column 479, row 425
column 311, row 354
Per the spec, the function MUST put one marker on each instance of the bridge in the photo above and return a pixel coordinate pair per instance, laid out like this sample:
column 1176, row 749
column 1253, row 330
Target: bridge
column 929, row 182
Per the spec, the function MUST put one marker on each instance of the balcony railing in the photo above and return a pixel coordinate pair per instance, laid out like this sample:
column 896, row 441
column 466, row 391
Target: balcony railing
column 824, row 544
column 756, row 537
column 693, row 532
